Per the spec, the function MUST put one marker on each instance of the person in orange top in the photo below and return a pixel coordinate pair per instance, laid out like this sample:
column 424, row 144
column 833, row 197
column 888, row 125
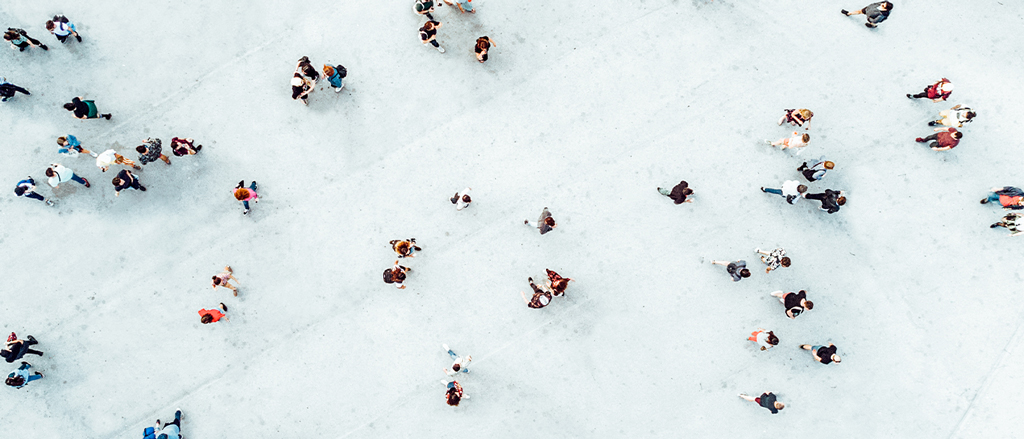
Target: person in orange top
column 1008, row 196
column 214, row 315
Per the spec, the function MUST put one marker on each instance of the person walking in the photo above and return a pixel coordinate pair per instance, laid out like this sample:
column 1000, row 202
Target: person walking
column 16, row 348
column 816, row 171
column 27, row 188
column 1008, row 196
column 405, row 247
column 396, row 275
column 207, row 316
column 109, row 157
column 221, row 280
column 766, row 400
column 875, row 12
column 171, row 430
column 556, row 283
column 58, row 174
column 483, row 44
column 463, row 5
column 795, row 303
column 428, row 34
column 777, row 258
column 20, row 40
column 459, row 363
column 541, row 296
column 454, row 394
column 945, row 139
column 679, row 193
column 738, row 270
column 62, row 28
column 183, row 146
column 425, row 8
column 20, row 377
column 461, row 199
column 545, row 223
column 764, row 338
column 830, row 200
column 954, row 117
column 937, row 92
column 796, row 141
column 1012, row 222
column 245, row 195
column 823, row 354
column 150, row 151
column 797, row 117
column 85, row 109
column 334, row 75
column 70, row 145
column 7, row 90
column 791, row 189
column 124, row 180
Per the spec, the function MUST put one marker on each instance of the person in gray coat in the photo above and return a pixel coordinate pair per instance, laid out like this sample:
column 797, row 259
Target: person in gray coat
column 876, row 13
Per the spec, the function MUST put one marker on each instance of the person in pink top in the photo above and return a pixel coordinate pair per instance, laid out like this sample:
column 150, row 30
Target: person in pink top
column 245, row 195
column 945, row 139
column 222, row 278
column 797, row 141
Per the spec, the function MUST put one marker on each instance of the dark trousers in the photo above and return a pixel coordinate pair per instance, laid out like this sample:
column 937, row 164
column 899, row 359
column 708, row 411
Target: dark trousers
column 434, row 43
column 930, row 138
column 34, row 195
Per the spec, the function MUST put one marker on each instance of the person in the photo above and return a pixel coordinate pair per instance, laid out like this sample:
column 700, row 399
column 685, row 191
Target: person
column 766, row 400
column 875, row 12
column 306, row 68
column 679, row 193
column 1012, row 223
column 20, row 378
column 183, row 146
column 937, row 92
column 816, row 171
column 545, row 223
column 463, row 5
column 428, row 34
column 791, row 189
column 70, row 145
column 541, row 296
column 404, row 247
column 556, row 283
column 797, row 117
column 334, row 76
column 830, row 200
column 1008, row 196
column 7, row 90
column 945, row 139
column 301, row 88
column 795, row 303
column 396, row 275
column 459, row 363
column 170, row 430
column 109, row 157
column 461, row 199
column 208, row 316
column 766, row 339
column 797, row 141
column 85, row 109
column 221, row 280
column 20, row 40
column 454, row 393
column 61, row 28
column 245, row 195
column 954, row 117
column 27, row 188
column 150, row 151
column 424, row 7
column 738, row 270
column 777, row 258
column 823, row 354
column 124, row 180
column 483, row 44
column 58, row 174
column 17, row 348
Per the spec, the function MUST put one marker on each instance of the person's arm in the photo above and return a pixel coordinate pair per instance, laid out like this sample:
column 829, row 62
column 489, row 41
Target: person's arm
column 524, row 297
column 1017, row 233
column 944, row 148
column 489, row 40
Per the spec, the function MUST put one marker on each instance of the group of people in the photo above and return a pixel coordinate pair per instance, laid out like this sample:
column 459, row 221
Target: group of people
column 428, row 32
column 14, row 349
column 305, row 77
column 792, row 190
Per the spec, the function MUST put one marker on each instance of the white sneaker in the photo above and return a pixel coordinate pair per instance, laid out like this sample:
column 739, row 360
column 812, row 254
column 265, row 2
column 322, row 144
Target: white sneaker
column 338, row 89
column 440, row 49
column 445, row 347
column 49, row 202
column 94, row 154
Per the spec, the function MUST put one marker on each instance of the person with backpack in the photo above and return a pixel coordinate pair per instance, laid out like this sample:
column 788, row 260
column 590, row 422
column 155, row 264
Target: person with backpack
column 775, row 259
column 334, row 76
column 124, row 180
column 27, row 187
column 545, row 223
column 61, row 28
column 245, row 195
column 461, row 199
column 463, row 5
column 70, row 145
column 738, row 270
column 207, row 316
column 405, row 247
column 17, row 348
column 483, row 44
column 58, row 174
column 150, row 151
column 428, row 34
column 184, row 146
column 796, row 141
column 425, row 8
column 797, row 117
column 766, row 400
column 823, row 354
column 679, row 193
column 222, row 280
column 875, row 12
column 109, row 157
column 170, row 430
column 396, row 275
column 954, row 117
column 1008, row 196
column 1012, row 222
column 816, row 171
column 937, row 92
column 454, row 394
column 85, row 109
column 795, row 303
column 764, row 338
column 945, row 139
column 7, row 90
column 20, row 378
column 541, row 296
column 791, row 189
column 20, row 40
column 459, row 363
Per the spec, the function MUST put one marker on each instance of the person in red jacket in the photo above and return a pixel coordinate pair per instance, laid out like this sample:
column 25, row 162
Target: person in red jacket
column 945, row 139
column 937, row 92
column 214, row 315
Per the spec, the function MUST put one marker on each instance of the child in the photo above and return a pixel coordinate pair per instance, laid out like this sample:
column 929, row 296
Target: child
column 823, row 354
column 876, row 13
column 150, row 151
column 463, row 5
column 483, row 44
column 405, row 248
column 945, row 140
column 221, row 280
column 795, row 303
column 679, row 193
column 335, row 75
column 766, row 339
column 937, row 92
column 1008, row 196
column 738, row 270
column 396, row 275
column 797, row 141
column 557, row 283
column 7, row 90
column 16, row 348
column 954, row 117
column 58, row 174
column 245, row 195
column 301, row 88
column 1010, row 221
column 777, row 258
column 816, row 171
column 454, row 393
column 459, row 364
column 85, row 109
column 541, row 297
column 791, row 189
column 20, row 377
column 181, row 147
column 797, row 118
column 61, row 28
column 109, row 157
column 428, row 34
column 20, row 40
column 461, row 199
column 545, row 223
column 27, row 187
column 124, row 180
column 766, row 400
column 71, row 146
column 208, row 316
column 830, row 200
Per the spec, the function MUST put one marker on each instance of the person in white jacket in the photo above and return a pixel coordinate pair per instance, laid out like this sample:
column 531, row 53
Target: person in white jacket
column 461, row 199
column 764, row 338
column 58, row 174
column 459, row 363
column 791, row 189
column 109, row 157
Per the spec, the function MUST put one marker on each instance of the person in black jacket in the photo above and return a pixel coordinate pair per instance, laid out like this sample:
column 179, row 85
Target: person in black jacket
column 678, row 193
column 15, row 349
column 7, row 89
column 766, row 400
column 124, row 180
column 823, row 354
column 830, row 200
